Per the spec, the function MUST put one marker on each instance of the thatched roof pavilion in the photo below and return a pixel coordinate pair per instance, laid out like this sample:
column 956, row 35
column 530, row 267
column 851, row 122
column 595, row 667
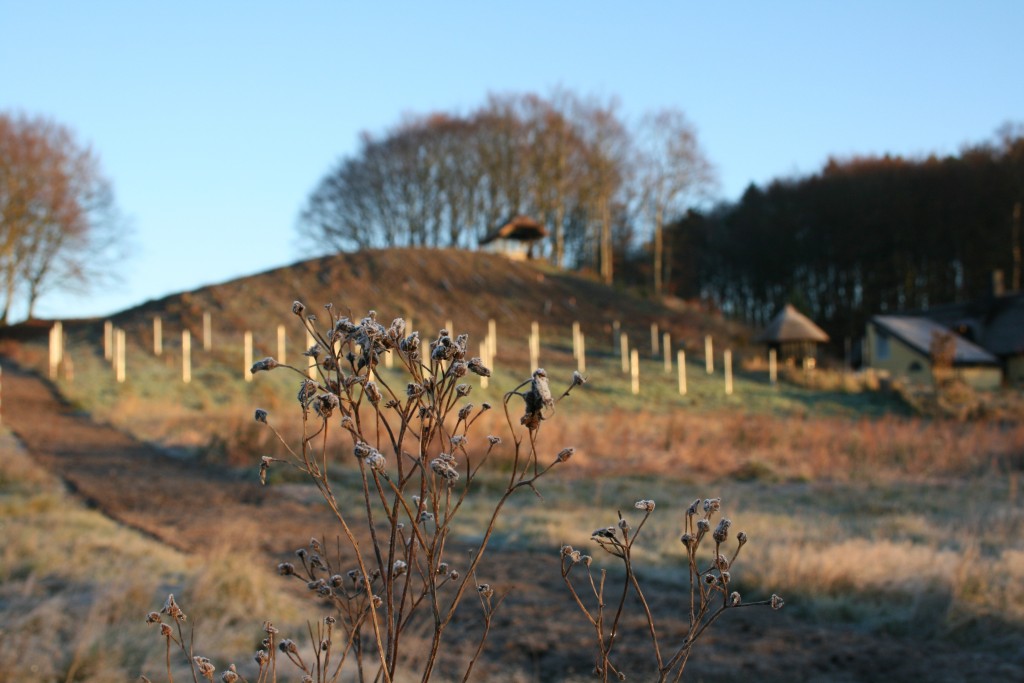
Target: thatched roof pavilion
column 792, row 334
column 516, row 237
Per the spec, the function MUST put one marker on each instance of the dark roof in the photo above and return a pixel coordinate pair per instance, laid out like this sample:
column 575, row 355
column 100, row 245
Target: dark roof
column 918, row 334
column 995, row 323
column 521, row 228
column 790, row 325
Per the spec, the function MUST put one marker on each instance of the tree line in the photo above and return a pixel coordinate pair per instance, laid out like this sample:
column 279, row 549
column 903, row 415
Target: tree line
column 572, row 163
column 862, row 236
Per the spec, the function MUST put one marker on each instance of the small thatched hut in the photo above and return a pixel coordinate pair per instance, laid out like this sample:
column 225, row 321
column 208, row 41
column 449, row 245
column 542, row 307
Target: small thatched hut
column 794, row 336
column 515, row 239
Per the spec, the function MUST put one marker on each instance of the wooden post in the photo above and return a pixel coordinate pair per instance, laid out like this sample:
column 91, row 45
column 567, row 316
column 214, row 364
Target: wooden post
column 282, row 342
column 666, row 352
column 727, row 359
column 576, row 339
column 773, row 370
column 158, row 335
column 56, row 348
column 709, row 355
column 654, row 339
column 624, row 351
column 634, row 368
column 247, row 362
column 186, row 356
column 312, row 361
column 681, row 364
column 534, row 345
column 108, row 340
column 492, row 336
column 120, row 371
column 448, row 325
column 484, row 349
column 581, row 361
column 207, row 332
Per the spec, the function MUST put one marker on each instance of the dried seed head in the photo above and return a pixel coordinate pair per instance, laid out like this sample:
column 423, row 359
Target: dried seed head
column 712, row 505
column 607, row 532
column 229, row 677
column 172, row 610
column 288, row 645
column 645, row 505
column 485, row 590
column 703, row 526
column 476, row 366
column 587, row 559
column 458, row 441
column 465, row 411
column 710, row 579
column 269, row 628
column 377, row 602
column 376, row 462
column 777, row 602
column 298, row 308
column 741, row 537
column 725, row 576
column 204, row 667
column 286, row 569
column 463, row 390
column 442, row 568
column 578, row 380
column 694, row 506
column 363, row 450
column 575, row 556
column 398, row 568
column 686, row 539
column 153, row 618
column 413, row 390
column 722, row 530
column 262, row 658
column 494, row 440
column 567, row 550
column 302, row 553
column 372, row 392
column 624, row 525
column 721, row 562
column 267, row 363
column 453, row 575
column 261, row 415
column 264, row 466
column 166, row 631
column 565, row 454
column 734, row 599
column 330, row 621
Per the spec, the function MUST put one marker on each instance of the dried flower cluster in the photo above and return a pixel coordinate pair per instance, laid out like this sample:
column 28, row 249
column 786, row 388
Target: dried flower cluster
column 709, row 582
column 410, row 438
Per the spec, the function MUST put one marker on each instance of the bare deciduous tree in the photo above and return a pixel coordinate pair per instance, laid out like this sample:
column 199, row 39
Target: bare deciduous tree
column 58, row 221
column 672, row 171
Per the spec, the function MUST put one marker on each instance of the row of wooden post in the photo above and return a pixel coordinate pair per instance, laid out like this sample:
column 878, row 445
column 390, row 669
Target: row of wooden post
column 114, row 351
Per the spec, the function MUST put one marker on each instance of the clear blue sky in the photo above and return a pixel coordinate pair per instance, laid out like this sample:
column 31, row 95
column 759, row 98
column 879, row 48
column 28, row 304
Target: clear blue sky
column 214, row 120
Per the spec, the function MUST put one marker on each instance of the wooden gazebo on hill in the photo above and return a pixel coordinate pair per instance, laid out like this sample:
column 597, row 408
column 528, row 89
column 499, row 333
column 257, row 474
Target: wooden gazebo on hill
column 515, row 238
column 794, row 336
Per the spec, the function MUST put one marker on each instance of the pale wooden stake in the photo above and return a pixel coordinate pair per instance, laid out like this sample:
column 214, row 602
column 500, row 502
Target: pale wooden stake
column 709, row 355
column 312, row 361
column 247, row 362
column 108, row 340
column 773, row 370
column 681, row 364
column 484, row 348
column 666, row 352
column 56, row 348
column 120, row 371
column 282, row 342
column 186, row 356
column 492, row 336
column 624, row 351
column 581, row 361
column 207, row 332
column 654, row 339
column 576, row 339
column 448, row 325
column 634, row 365
column 158, row 335
column 727, row 359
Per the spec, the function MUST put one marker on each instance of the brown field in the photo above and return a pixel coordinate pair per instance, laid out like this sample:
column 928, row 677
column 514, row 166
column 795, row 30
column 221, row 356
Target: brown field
column 897, row 541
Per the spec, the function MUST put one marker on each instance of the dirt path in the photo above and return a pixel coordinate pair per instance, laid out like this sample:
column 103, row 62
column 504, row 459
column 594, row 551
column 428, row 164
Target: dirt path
column 179, row 502
column 538, row 633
